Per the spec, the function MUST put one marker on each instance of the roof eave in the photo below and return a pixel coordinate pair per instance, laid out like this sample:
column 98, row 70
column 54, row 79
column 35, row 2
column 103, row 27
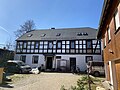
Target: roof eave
column 101, row 18
column 107, row 14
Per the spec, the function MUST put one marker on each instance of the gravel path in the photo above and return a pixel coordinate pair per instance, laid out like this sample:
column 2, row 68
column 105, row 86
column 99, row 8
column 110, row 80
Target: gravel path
column 46, row 81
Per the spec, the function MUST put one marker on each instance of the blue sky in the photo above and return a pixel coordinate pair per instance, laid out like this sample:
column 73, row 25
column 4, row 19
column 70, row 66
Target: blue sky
column 47, row 14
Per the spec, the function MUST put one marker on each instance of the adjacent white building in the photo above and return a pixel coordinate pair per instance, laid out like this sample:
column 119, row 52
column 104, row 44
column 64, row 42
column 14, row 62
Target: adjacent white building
column 59, row 49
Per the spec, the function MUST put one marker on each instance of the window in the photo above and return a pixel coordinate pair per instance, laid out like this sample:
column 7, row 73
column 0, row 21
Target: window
column 105, row 39
column 28, row 45
column 35, row 59
column 50, row 45
column 59, row 44
column 97, row 46
column 45, row 46
column 109, row 36
column 23, row 58
column 29, row 35
column 58, row 34
column 58, row 57
column 117, row 23
column 85, row 34
column 41, row 46
column 36, row 44
column 89, row 44
column 43, row 35
column 79, row 34
column 24, row 44
column 72, row 44
column 89, row 58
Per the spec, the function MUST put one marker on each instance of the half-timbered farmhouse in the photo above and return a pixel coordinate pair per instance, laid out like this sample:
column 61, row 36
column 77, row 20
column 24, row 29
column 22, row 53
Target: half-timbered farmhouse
column 59, row 48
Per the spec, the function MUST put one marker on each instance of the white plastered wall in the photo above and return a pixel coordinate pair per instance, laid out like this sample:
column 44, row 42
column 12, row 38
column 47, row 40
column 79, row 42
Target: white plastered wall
column 29, row 59
column 80, row 60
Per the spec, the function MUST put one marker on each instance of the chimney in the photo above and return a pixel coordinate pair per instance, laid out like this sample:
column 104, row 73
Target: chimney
column 52, row 28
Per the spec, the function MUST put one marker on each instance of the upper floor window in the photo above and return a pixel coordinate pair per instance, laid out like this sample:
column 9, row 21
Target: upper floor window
column 89, row 44
column 59, row 44
column 36, row 44
column 105, row 39
column 117, row 22
column 109, row 36
column 24, row 44
column 72, row 44
column 50, row 45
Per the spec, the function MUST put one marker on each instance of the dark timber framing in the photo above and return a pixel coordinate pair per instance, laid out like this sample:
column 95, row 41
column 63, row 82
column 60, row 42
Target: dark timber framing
column 66, row 47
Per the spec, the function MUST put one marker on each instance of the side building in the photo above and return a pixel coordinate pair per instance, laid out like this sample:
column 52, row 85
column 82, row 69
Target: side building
column 5, row 55
column 59, row 49
column 109, row 32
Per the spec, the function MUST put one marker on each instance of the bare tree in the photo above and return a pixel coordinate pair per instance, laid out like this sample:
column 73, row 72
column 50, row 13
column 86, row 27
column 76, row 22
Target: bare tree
column 26, row 27
column 9, row 44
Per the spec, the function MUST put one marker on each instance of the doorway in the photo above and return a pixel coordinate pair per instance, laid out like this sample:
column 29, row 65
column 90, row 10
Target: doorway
column 49, row 62
column 72, row 63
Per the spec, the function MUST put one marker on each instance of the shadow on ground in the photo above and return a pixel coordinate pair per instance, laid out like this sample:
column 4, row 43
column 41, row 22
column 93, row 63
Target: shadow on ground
column 6, row 85
column 6, row 81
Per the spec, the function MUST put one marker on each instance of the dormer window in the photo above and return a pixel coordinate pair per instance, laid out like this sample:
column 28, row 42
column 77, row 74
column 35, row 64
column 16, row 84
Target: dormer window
column 79, row 34
column 43, row 35
column 58, row 34
column 29, row 35
column 85, row 34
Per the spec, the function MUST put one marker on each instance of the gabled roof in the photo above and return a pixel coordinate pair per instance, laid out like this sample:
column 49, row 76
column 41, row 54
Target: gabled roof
column 60, row 34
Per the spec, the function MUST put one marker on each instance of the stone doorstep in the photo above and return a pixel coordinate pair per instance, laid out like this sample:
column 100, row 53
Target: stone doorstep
column 107, row 85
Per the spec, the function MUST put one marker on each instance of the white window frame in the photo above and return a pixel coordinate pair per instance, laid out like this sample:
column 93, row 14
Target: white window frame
column 117, row 22
column 109, row 34
column 105, row 39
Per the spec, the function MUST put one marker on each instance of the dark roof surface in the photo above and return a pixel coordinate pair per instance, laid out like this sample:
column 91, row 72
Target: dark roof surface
column 60, row 34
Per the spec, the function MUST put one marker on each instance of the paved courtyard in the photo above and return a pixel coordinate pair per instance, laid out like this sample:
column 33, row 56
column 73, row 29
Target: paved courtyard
column 45, row 81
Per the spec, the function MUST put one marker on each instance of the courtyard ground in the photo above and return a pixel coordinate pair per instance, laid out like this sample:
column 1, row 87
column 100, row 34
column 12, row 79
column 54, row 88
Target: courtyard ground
column 42, row 81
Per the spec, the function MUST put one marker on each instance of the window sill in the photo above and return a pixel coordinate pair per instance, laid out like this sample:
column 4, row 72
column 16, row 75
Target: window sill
column 117, row 30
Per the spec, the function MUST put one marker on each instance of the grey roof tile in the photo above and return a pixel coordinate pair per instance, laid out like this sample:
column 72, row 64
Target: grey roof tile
column 65, row 34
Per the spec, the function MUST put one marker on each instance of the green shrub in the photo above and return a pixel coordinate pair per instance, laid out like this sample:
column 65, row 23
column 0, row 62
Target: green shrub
column 82, row 84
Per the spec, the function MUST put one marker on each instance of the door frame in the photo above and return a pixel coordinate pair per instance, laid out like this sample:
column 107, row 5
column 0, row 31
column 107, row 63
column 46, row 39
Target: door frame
column 46, row 61
column 74, row 60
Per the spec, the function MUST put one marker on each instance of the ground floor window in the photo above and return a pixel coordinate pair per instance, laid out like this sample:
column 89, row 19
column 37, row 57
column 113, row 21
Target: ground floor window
column 23, row 58
column 58, row 57
column 35, row 59
column 89, row 58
